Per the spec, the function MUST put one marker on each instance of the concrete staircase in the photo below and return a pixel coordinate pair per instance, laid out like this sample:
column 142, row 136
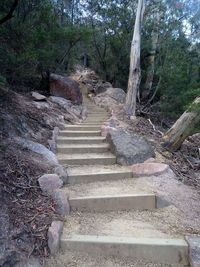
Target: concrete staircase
column 109, row 218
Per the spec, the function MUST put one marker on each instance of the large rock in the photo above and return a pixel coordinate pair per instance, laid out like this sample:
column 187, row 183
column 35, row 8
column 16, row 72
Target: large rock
column 129, row 148
column 101, row 87
column 65, row 87
column 49, row 183
column 54, row 235
column 39, row 149
column 116, row 93
column 73, row 112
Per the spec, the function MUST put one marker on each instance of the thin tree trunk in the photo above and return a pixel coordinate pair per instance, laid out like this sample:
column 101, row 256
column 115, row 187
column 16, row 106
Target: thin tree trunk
column 10, row 13
column 187, row 125
column 151, row 58
column 135, row 71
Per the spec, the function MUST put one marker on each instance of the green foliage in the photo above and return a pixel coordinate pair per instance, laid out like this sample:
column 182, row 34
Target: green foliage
column 54, row 35
column 3, row 81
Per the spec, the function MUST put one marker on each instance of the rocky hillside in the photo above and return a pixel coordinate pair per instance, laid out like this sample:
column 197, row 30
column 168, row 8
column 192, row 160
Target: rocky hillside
column 29, row 124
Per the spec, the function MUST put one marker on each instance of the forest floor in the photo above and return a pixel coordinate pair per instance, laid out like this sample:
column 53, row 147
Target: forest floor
column 185, row 162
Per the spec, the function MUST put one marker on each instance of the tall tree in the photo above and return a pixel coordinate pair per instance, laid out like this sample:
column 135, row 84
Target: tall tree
column 135, row 71
column 152, row 55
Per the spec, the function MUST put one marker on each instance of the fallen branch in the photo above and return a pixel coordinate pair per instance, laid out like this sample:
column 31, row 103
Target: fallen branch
column 155, row 127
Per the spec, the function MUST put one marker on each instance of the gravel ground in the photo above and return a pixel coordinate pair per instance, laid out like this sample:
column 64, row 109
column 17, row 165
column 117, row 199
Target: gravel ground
column 73, row 259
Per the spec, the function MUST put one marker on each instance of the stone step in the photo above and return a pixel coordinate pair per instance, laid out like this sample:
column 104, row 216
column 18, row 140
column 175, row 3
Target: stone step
column 113, row 202
column 80, row 140
column 90, row 174
column 97, row 113
column 73, row 133
column 83, row 148
column 95, row 120
column 81, row 127
column 156, row 250
column 94, row 114
column 87, row 159
column 84, row 123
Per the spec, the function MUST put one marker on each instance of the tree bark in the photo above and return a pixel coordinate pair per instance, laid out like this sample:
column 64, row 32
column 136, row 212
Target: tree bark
column 135, row 71
column 151, row 59
column 10, row 13
column 187, row 125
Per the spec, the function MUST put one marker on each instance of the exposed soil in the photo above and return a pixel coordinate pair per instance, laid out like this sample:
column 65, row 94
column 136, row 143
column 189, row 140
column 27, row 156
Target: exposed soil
column 25, row 212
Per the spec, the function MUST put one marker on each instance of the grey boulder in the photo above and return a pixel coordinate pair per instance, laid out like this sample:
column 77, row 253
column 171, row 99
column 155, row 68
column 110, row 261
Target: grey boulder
column 129, row 148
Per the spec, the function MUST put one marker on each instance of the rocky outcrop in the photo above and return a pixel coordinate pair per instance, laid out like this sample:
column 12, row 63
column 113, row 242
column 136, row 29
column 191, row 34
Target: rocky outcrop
column 65, row 87
column 129, row 148
column 117, row 94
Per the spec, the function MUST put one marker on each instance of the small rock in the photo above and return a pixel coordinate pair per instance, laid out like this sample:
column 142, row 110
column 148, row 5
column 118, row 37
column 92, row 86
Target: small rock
column 32, row 262
column 49, row 183
column 61, row 202
column 150, row 160
column 59, row 170
column 38, row 97
column 54, row 234
column 148, row 169
column 105, row 130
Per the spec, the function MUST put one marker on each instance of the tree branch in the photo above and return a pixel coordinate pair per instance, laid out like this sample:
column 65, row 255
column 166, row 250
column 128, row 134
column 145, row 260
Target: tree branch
column 10, row 13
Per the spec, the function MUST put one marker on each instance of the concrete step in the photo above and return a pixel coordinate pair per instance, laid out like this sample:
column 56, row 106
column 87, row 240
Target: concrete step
column 81, row 127
column 113, row 202
column 87, row 159
column 80, row 140
column 73, row 133
column 157, row 250
column 90, row 174
column 83, row 148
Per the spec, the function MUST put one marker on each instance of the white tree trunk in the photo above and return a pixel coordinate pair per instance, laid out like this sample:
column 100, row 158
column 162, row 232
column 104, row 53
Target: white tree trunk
column 187, row 125
column 135, row 71
column 152, row 56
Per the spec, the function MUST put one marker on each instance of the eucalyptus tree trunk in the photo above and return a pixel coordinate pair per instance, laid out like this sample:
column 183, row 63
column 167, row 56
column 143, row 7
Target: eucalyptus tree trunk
column 135, row 71
column 187, row 125
column 151, row 58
